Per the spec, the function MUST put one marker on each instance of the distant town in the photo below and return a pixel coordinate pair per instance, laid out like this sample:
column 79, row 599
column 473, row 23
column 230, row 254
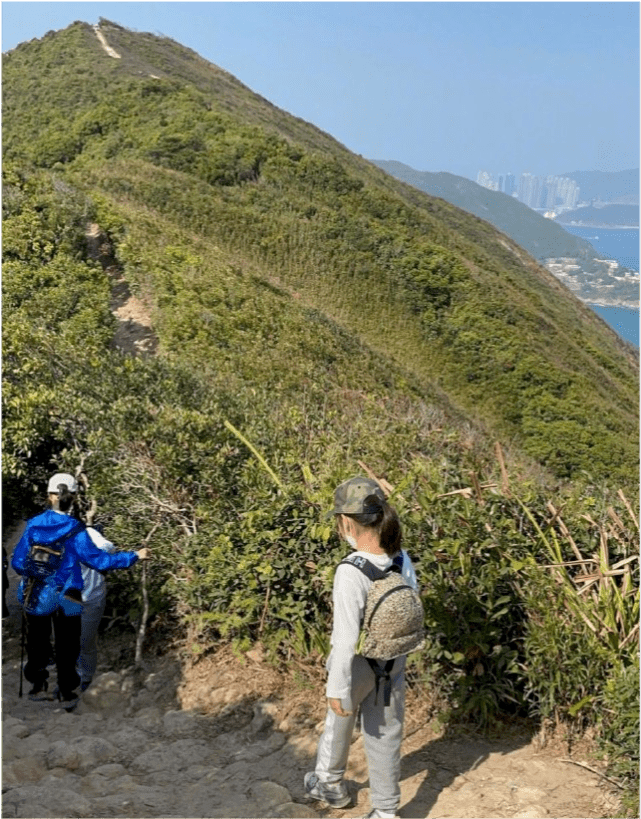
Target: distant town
column 553, row 194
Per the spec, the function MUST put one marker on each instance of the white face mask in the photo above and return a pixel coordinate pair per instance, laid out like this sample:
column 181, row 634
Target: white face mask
column 351, row 540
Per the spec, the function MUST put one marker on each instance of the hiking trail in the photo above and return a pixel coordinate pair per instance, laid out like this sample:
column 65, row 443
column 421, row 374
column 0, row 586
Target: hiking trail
column 231, row 736
column 103, row 42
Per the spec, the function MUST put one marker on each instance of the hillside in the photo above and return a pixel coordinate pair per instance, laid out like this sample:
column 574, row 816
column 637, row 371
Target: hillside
column 218, row 313
column 541, row 237
column 545, row 239
column 468, row 307
column 603, row 216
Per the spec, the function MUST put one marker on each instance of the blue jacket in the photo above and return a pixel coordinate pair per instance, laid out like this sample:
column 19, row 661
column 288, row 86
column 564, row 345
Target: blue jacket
column 79, row 548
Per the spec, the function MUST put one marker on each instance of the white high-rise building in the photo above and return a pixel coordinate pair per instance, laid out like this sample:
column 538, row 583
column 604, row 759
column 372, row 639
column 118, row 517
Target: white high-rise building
column 485, row 180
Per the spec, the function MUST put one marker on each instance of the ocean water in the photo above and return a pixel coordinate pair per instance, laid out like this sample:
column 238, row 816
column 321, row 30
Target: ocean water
column 622, row 245
column 613, row 243
column 624, row 322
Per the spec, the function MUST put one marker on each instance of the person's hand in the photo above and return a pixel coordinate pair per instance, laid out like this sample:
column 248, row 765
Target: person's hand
column 337, row 707
column 144, row 553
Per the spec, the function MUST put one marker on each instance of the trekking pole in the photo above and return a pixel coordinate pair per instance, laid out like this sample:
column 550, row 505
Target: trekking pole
column 21, row 650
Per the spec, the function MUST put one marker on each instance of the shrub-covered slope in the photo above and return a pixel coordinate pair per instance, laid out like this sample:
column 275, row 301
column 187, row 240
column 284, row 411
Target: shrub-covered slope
column 440, row 293
column 541, row 237
column 314, row 318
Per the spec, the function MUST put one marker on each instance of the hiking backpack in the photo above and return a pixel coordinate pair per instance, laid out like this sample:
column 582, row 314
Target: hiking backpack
column 393, row 622
column 38, row 591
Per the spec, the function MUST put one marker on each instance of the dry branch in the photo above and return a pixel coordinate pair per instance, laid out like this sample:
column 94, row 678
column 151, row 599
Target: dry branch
column 594, row 771
column 140, row 637
column 385, row 485
column 505, row 481
column 635, row 520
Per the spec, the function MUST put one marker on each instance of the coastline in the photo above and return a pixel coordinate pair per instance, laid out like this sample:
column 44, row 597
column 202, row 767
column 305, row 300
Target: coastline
column 597, row 227
column 621, row 305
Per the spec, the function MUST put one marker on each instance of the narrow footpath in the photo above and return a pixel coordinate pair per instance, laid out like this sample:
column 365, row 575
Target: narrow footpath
column 230, row 736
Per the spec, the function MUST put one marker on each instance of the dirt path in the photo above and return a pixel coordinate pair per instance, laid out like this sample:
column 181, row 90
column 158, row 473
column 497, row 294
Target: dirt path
column 230, row 736
column 134, row 333
column 105, row 45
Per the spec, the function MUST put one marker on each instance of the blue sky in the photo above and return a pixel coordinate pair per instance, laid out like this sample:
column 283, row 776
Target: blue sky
column 542, row 87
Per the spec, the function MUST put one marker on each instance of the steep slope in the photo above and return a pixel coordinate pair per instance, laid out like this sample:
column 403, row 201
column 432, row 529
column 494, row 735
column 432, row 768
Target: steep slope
column 539, row 236
column 168, row 143
column 606, row 215
column 306, row 316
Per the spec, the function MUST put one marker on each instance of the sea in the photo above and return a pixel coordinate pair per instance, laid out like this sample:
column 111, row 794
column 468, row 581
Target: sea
column 621, row 244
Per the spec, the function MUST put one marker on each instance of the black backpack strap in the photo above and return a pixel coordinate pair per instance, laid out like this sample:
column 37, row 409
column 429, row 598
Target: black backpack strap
column 365, row 566
column 382, row 673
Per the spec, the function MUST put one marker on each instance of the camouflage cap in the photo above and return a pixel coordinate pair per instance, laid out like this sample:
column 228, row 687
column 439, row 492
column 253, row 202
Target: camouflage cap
column 350, row 497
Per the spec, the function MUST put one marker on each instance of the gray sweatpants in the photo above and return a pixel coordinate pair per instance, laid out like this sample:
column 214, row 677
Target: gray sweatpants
column 92, row 613
column 382, row 729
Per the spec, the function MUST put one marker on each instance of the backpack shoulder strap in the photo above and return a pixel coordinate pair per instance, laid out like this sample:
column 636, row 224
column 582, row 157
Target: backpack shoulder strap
column 398, row 561
column 368, row 569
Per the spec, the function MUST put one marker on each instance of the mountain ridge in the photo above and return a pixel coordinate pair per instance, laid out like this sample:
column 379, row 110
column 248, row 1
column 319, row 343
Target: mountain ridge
column 300, row 316
column 544, row 238
column 203, row 152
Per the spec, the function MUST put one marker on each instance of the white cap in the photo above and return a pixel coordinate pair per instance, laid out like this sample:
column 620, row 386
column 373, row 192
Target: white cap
column 62, row 477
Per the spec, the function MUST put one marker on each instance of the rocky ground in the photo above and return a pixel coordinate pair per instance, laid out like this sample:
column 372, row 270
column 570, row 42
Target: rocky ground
column 231, row 736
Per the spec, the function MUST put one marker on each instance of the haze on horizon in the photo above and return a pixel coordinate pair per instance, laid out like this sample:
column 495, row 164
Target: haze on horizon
column 538, row 87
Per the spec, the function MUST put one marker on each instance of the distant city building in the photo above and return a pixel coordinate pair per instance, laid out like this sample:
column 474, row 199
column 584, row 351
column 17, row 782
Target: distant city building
column 549, row 193
column 504, row 183
column 530, row 190
column 485, row 180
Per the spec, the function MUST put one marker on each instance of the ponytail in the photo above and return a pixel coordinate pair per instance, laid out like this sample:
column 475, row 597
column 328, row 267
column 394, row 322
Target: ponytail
column 65, row 497
column 384, row 518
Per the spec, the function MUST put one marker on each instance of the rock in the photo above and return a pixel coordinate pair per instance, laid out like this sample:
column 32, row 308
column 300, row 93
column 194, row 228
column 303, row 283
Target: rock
column 213, row 775
column 155, row 682
column 181, row 724
column 257, row 750
column 131, row 742
column 531, row 812
column 15, row 727
column 265, row 714
column 102, row 780
column 35, row 746
column 170, row 760
column 105, row 694
column 11, row 746
column 81, row 753
column 293, row 810
column 22, row 771
column 10, row 779
column 111, row 770
column 53, row 801
column 149, row 719
column 529, row 796
column 268, row 794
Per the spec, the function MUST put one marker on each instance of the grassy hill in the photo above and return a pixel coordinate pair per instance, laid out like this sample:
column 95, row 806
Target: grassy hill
column 465, row 308
column 542, row 238
column 313, row 318
column 626, row 215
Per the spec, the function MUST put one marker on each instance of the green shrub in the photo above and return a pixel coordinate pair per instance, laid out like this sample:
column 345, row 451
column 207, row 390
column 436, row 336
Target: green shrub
column 619, row 730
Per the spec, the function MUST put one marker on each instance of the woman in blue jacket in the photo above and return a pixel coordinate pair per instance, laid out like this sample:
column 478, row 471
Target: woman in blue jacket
column 57, row 525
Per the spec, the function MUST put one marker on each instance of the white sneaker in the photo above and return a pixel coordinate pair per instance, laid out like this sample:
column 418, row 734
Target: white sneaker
column 379, row 814
column 334, row 794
